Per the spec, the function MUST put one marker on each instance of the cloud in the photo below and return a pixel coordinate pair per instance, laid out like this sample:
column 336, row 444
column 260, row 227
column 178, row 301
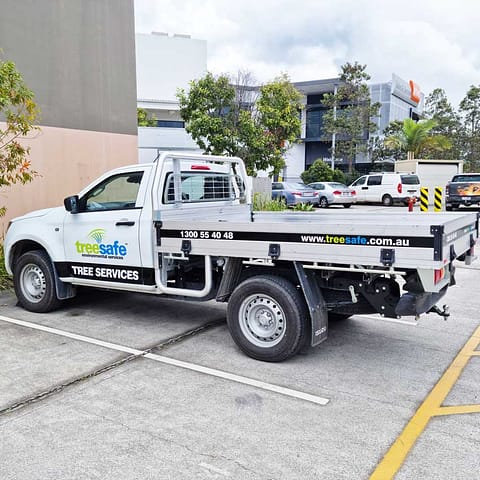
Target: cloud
column 431, row 42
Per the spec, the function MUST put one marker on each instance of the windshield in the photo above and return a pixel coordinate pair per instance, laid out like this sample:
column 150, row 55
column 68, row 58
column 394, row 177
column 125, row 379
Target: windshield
column 410, row 179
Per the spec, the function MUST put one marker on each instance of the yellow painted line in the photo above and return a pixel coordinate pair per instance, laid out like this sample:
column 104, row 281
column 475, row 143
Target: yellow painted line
column 458, row 409
column 394, row 458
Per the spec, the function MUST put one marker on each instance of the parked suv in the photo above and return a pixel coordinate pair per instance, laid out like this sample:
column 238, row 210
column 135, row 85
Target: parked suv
column 386, row 188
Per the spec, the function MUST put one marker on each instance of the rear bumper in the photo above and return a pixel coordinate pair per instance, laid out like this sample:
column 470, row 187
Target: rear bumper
column 298, row 200
column 417, row 303
column 460, row 200
column 343, row 200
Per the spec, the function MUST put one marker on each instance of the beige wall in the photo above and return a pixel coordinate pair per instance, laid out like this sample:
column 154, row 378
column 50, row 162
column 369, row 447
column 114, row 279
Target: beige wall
column 66, row 160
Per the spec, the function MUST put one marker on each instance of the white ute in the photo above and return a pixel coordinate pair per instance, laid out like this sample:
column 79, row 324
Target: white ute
column 183, row 227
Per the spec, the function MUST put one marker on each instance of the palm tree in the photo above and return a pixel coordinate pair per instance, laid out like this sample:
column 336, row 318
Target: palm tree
column 416, row 139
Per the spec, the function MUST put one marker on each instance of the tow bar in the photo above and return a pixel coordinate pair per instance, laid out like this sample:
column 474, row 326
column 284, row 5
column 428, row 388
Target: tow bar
column 445, row 313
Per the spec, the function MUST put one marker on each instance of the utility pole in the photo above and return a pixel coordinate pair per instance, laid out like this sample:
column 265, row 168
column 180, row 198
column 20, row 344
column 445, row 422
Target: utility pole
column 334, row 134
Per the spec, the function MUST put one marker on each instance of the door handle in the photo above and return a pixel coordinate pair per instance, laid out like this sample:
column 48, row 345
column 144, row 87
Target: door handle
column 364, row 188
column 126, row 223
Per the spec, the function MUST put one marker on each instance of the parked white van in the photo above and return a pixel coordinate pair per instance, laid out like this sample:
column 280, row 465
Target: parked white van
column 387, row 188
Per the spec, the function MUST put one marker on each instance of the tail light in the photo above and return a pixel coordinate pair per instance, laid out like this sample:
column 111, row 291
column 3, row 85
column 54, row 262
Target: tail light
column 354, row 192
column 315, row 193
column 438, row 275
column 337, row 192
column 399, row 188
column 297, row 194
column 200, row 167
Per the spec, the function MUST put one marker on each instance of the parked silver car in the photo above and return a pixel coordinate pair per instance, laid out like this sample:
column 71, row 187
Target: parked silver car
column 294, row 193
column 334, row 193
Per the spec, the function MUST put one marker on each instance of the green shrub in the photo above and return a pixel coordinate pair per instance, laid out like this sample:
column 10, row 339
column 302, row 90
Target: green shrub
column 303, row 207
column 319, row 171
column 263, row 203
column 339, row 176
column 5, row 279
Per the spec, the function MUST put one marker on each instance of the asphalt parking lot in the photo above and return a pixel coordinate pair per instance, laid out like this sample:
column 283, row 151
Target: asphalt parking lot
column 118, row 386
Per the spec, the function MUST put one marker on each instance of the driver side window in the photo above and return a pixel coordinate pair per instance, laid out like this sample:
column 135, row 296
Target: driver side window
column 115, row 193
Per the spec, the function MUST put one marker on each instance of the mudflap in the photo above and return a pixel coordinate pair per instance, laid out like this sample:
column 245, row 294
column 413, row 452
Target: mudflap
column 417, row 303
column 315, row 302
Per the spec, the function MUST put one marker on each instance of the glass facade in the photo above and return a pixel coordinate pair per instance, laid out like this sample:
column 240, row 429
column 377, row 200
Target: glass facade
column 395, row 104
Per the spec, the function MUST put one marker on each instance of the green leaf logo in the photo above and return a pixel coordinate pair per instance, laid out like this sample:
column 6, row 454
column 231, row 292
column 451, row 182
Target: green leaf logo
column 97, row 234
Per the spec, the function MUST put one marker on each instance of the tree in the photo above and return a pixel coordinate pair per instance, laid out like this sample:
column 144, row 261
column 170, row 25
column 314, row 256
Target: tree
column 381, row 153
column 19, row 112
column 144, row 119
column 234, row 120
column 351, row 112
column 278, row 116
column 448, row 123
column 470, row 109
column 416, row 138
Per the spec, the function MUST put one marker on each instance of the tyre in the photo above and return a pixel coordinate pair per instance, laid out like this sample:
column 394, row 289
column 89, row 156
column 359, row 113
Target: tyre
column 387, row 200
column 267, row 318
column 34, row 282
column 323, row 202
column 347, row 205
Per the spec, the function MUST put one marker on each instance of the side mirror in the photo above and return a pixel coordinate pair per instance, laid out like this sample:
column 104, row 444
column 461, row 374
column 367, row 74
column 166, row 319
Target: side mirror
column 72, row 204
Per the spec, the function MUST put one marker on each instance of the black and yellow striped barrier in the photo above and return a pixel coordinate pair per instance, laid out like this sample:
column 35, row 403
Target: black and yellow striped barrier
column 424, row 199
column 437, row 200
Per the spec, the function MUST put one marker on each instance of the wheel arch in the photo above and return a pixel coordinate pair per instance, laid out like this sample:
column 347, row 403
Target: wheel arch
column 64, row 290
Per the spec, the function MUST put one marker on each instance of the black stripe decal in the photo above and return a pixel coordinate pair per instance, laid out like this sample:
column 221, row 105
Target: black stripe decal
column 305, row 238
column 106, row 272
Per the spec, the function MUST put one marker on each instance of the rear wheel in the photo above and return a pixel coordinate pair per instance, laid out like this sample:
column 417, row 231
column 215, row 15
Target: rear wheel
column 267, row 318
column 387, row 200
column 347, row 205
column 34, row 282
column 323, row 202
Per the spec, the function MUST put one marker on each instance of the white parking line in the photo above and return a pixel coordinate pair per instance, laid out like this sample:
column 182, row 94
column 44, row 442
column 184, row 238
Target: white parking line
column 177, row 363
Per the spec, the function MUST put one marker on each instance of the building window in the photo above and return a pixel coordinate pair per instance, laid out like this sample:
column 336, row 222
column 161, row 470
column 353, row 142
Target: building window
column 314, row 122
column 170, row 123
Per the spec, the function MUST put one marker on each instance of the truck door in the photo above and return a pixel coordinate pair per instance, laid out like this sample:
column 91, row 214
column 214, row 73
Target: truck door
column 102, row 241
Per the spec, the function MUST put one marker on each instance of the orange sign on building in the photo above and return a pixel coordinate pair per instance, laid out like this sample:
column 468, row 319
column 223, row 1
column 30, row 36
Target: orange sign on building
column 414, row 91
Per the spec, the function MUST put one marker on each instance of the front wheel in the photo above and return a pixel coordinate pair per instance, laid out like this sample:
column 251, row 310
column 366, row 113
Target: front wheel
column 267, row 318
column 347, row 205
column 34, row 282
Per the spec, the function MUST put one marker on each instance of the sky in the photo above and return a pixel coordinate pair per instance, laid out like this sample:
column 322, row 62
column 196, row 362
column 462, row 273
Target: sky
column 435, row 43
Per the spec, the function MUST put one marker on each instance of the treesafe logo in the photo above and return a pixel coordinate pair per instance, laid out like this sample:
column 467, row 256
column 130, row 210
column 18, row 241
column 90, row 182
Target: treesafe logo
column 100, row 248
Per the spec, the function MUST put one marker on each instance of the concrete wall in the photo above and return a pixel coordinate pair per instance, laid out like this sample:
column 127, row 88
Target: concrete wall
column 66, row 160
column 78, row 57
